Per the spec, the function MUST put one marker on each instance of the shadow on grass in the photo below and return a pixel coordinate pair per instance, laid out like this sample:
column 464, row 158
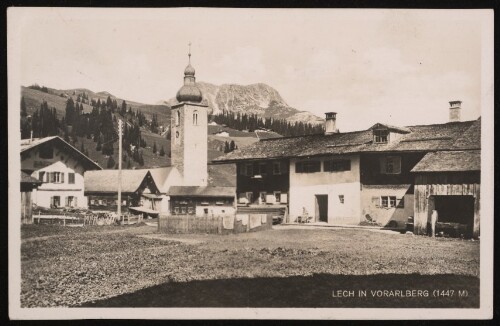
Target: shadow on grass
column 308, row 292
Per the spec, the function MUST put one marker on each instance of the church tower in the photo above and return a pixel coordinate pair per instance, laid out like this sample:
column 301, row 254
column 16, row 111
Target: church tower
column 188, row 125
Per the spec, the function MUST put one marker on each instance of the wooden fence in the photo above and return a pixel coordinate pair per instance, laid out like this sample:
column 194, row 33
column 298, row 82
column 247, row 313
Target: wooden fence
column 189, row 224
column 210, row 224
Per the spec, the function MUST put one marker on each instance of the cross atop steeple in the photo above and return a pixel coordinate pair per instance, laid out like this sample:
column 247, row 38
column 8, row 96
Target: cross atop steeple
column 189, row 54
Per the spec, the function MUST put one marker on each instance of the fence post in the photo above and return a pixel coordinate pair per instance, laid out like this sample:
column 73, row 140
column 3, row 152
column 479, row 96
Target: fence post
column 64, row 219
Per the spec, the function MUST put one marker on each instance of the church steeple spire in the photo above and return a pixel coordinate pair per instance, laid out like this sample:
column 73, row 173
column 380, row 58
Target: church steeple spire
column 189, row 92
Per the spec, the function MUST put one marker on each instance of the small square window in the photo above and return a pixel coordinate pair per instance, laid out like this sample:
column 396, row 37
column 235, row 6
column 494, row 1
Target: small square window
column 341, row 199
column 388, row 201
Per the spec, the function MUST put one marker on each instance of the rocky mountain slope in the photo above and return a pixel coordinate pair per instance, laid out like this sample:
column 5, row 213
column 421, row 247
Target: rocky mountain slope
column 259, row 99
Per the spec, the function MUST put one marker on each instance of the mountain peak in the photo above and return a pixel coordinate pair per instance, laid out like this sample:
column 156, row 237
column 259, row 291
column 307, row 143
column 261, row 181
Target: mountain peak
column 258, row 98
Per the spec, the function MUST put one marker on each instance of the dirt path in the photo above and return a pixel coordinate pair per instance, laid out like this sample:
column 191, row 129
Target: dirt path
column 164, row 238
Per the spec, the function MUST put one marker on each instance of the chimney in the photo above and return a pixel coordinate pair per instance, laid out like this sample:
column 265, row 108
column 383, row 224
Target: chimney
column 455, row 107
column 331, row 123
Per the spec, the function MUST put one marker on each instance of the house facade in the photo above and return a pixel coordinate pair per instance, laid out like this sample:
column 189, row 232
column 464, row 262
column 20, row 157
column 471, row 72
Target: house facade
column 60, row 167
column 139, row 191
column 353, row 178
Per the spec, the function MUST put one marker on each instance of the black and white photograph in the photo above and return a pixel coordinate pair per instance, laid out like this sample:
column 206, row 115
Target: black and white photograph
column 250, row 163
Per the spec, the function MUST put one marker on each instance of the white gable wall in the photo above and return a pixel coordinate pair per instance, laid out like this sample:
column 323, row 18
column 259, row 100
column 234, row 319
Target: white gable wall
column 305, row 186
column 63, row 163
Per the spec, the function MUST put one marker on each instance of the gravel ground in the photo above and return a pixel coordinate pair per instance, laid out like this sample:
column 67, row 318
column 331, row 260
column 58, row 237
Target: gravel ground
column 81, row 265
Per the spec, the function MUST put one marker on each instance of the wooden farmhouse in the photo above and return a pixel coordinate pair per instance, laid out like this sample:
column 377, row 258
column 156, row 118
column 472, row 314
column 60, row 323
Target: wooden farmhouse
column 59, row 167
column 382, row 175
column 139, row 191
column 202, row 201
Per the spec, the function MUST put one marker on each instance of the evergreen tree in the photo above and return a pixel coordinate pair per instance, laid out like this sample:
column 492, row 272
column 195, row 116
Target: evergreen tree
column 98, row 146
column 111, row 163
column 70, row 112
column 123, row 110
column 232, row 146
column 24, row 111
column 226, row 147
column 162, row 151
column 154, row 148
column 141, row 159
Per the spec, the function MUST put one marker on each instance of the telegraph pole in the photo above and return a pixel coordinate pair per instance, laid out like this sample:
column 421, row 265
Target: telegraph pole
column 119, row 206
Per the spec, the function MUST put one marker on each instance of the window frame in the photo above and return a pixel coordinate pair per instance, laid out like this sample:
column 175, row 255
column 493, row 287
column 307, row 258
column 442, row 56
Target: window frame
column 337, row 165
column 309, row 166
column 388, row 201
column 394, row 161
column 41, row 176
column 378, row 138
column 53, row 200
column 277, row 196
column 71, row 178
column 277, row 171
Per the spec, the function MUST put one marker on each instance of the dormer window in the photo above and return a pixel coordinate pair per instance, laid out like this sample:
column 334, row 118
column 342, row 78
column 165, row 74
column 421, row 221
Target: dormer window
column 381, row 136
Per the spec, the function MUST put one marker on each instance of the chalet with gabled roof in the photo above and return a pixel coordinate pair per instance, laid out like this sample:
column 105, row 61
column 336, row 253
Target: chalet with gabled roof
column 361, row 177
column 59, row 167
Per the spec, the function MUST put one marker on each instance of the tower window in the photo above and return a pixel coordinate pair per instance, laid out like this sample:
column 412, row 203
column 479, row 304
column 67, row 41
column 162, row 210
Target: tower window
column 195, row 118
column 177, row 118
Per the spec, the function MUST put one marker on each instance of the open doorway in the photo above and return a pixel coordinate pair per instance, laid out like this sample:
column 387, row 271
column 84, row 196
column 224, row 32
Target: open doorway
column 322, row 208
column 455, row 214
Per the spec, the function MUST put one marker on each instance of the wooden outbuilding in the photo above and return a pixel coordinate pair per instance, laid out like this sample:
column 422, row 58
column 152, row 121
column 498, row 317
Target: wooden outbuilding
column 449, row 183
column 28, row 183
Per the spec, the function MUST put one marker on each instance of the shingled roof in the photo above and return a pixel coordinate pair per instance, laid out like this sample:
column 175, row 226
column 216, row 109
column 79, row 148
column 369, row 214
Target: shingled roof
column 27, row 145
column 193, row 191
column 450, row 161
column 421, row 138
column 106, row 181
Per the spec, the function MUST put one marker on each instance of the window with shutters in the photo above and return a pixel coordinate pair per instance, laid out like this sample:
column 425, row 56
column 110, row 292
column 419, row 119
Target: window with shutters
column 55, row 201
column 71, row 178
column 56, row 177
column 337, row 165
column 308, row 167
column 390, row 165
column 41, row 176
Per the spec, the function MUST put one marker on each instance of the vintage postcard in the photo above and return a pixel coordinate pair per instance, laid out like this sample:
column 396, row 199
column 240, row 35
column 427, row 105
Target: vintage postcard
column 250, row 163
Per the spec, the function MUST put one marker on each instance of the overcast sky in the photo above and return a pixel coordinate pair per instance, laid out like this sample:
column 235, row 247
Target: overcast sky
column 398, row 67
